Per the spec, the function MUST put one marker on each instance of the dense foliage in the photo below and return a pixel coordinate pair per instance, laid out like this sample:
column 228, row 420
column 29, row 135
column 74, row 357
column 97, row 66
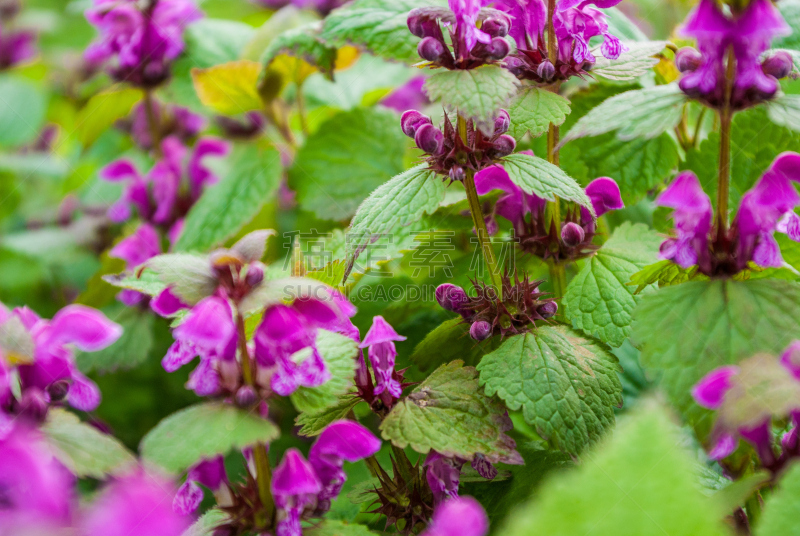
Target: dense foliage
column 308, row 267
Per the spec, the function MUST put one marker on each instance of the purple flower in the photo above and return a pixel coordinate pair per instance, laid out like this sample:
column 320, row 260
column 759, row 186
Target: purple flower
column 50, row 374
column 767, row 207
column 467, row 34
column 16, row 46
column 172, row 120
column 294, row 485
column 407, row 97
column 748, row 34
column 209, row 473
column 575, row 23
column 443, row 475
column 527, row 214
column 135, row 249
column 37, row 490
column 137, row 503
column 380, row 340
column 341, row 441
column 139, row 41
column 286, row 330
column 462, row 516
column 174, row 183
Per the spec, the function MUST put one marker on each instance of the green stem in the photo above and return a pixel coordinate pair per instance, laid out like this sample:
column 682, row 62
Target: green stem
column 725, row 119
column 301, row 109
column 558, row 277
column 477, row 219
column 753, row 507
column 152, row 122
column 247, row 364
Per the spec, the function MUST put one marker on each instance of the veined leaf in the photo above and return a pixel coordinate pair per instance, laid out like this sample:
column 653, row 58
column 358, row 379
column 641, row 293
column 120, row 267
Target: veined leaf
column 476, row 94
column 665, row 273
column 208, row 523
column 566, row 386
column 448, row 342
column 229, row 88
column 339, row 353
column 303, row 43
column 130, row 350
column 202, row 431
column 631, row 64
column 541, row 178
column 313, row 423
column 534, row 109
column 598, row 300
column 784, row 110
column 103, row 110
column 189, row 275
column 147, row 282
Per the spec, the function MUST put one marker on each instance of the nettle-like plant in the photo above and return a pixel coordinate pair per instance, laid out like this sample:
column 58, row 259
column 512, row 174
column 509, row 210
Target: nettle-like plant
column 457, row 321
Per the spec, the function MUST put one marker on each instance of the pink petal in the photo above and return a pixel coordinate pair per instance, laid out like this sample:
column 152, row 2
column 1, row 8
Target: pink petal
column 710, row 391
column 86, row 328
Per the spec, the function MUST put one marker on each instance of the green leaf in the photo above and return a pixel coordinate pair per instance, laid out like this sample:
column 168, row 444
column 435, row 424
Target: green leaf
column 685, row 331
column 665, row 273
column 755, row 142
column 339, row 353
column 784, row 110
column 448, row 342
column 83, row 449
column 304, row 43
column 22, row 110
column 313, row 423
column 103, row 110
column 285, row 18
column 229, row 88
column 207, row 524
column 534, row 109
column 130, row 350
column 380, row 26
column 350, row 155
column 640, row 113
column 475, row 93
column 631, row 64
column 541, row 178
column 790, row 9
column 227, row 206
column 189, row 275
column 147, row 282
column 782, row 508
column 400, row 202
column 332, row 527
column 202, row 431
column 566, row 386
column 448, row 413
column 599, row 300
column 639, row 481
column 637, row 165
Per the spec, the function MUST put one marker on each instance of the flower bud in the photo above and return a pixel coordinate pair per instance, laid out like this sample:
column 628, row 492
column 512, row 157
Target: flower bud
column 546, row 70
column 411, row 120
column 504, row 146
column 778, row 65
column 430, row 49
column 491, row 225
column 515, row 65
column 688, row 59
column 58, row 390
column 502, row 122
column 429, row 138
column 456, row 173
column 572, row 234
column 451, row 297
column 497, row 26
column 246, row 396
column 416, row 25
column 480, row 330
column 548, row 310
column 255, row 274
column 498, row 49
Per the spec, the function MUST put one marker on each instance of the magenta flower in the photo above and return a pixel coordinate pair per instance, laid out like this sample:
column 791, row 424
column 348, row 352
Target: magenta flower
column 409, row 96
column 443, row 475
column 575, row 23
column 380, row 340
column 341, row 441
column 462, row 516
column 748, row 34
column 139, row 42
column 747, row 397
column 173, row 121
column 526, row 212
column 466, row 33
column 37, row 490
column 172, row 186
column 767, row 207
column 209, row 473
column 16, row 46
column 294, row 486
column 50, row 374
column 135, row 249
column 286, row 330
column 137, row 503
